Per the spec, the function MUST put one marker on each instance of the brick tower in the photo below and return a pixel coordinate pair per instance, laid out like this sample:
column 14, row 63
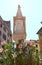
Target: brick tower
column 19, row 29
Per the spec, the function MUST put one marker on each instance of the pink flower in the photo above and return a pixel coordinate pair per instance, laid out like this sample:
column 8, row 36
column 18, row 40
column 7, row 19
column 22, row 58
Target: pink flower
column 30, row 44
column 3, row 43
column 1, row 50
column 27, row 41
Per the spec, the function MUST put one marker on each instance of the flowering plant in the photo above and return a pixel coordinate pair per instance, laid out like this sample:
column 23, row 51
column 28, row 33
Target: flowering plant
column 23, row 54
column 6, row 53
column 26, row 53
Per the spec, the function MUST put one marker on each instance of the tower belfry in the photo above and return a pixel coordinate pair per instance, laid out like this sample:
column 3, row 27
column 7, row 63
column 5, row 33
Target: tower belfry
column 19, row 29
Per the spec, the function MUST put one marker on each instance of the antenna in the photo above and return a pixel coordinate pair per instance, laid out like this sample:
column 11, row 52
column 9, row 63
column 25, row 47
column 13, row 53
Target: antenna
column 18, row 1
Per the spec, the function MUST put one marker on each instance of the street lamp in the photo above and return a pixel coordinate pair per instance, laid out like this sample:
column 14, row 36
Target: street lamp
column 14, row 55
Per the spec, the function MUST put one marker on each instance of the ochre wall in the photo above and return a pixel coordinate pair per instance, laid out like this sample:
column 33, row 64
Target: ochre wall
column 19, row 35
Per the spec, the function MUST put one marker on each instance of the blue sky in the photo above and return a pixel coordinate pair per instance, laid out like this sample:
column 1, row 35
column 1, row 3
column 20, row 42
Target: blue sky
column 31, row 9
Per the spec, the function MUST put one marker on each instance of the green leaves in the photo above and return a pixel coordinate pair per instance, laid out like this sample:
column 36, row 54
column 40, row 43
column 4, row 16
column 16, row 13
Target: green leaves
column 23, row 54
column 6, row 56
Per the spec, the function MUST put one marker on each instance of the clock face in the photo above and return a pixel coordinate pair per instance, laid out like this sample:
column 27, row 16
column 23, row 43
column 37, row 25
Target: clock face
column 19, row 26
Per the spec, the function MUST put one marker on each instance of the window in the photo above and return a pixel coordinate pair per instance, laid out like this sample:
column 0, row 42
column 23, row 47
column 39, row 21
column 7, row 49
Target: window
column 0, row 32
column 7, row 41
column 8, row 34
column 36, row 51
column 36, row 45
column 0, row 41
column 0, row 25
column 4, row 28
column 4, row 36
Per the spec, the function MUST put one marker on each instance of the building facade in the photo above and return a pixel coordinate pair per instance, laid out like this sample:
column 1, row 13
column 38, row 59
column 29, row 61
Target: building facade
column 40, row 42
column 5, row 31
column 40, row 37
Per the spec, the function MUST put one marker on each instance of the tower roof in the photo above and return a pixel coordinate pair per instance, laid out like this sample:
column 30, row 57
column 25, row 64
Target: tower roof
column 19, row 13
column 40, row 31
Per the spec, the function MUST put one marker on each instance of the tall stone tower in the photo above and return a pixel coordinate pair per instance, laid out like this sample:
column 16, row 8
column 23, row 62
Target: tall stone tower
column 40, row 37
column 19, row 26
